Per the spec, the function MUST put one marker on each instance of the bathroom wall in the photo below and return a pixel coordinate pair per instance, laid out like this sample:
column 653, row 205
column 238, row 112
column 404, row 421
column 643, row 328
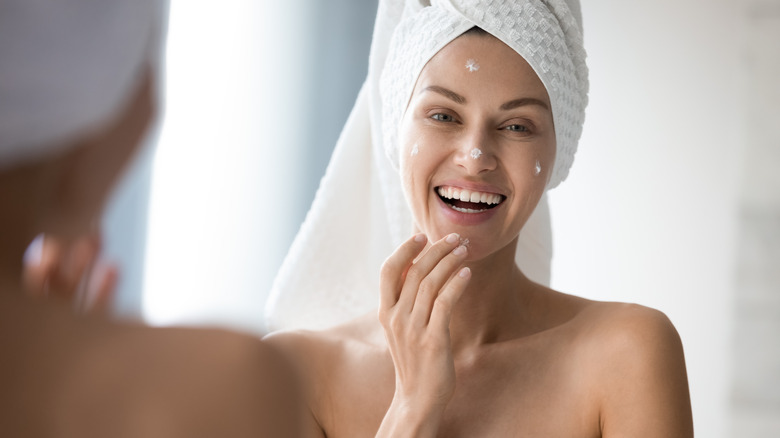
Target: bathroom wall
column 651, row 209
column 755, row 344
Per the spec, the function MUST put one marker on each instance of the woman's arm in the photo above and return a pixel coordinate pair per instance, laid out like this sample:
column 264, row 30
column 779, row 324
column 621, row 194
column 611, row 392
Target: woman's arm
column 645, row 392
column 416, row 304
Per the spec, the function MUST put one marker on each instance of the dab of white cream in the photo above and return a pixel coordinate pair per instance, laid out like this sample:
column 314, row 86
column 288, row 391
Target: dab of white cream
column 475, row 153
column 472, row 65
column 415, row 150
column 538, row 168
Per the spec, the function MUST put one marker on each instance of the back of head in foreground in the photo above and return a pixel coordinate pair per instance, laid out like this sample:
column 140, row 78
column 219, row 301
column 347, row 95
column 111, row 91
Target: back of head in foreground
column 77, row 94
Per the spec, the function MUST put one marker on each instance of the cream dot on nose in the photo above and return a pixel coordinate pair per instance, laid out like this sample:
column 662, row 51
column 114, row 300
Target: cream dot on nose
column 476, row 153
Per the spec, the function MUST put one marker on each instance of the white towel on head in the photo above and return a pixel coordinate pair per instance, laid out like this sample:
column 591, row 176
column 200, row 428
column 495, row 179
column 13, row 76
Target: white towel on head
column 67, row 67
column 359, row 215
column 545, row 33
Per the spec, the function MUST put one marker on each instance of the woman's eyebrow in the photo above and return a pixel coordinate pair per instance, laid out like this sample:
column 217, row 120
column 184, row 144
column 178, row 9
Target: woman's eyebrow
column 449, row 94
column 512, row 104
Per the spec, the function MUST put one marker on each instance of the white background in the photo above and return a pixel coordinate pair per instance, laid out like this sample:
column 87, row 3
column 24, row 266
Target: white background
column 648, row 214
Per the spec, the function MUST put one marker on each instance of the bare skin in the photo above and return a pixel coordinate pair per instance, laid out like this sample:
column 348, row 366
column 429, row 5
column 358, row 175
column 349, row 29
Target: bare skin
column 485, row 351
column 85, row 377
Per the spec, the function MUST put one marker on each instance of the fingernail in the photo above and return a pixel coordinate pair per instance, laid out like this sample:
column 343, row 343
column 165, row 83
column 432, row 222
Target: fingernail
column 34, row 252
column 452, row 238
column 464, row 273
column 420, row 238
column 460, row 250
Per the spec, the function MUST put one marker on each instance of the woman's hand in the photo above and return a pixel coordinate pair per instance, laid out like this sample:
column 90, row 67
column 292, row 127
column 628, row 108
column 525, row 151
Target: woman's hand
column 69, row 270
column 417, row 297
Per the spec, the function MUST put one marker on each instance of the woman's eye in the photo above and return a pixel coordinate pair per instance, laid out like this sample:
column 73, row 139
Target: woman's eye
column 517, row 128
column 442, row 117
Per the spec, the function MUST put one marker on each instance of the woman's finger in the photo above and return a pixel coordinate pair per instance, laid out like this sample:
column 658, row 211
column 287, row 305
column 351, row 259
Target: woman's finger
column 444, row 303
column 74, row 269
column 102, row 288
column 434, row 282
column 41, row 262
column 394, row 270
column 422, row 268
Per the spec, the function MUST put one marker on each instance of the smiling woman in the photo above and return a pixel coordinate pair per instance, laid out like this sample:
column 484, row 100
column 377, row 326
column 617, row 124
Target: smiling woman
column 480, row 110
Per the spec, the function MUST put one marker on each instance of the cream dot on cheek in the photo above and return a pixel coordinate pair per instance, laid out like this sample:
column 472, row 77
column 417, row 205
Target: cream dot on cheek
column 537, row 168
column 415, row 150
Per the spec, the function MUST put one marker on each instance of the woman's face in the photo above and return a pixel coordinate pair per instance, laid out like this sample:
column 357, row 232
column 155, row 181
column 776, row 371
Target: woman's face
column 477, row 144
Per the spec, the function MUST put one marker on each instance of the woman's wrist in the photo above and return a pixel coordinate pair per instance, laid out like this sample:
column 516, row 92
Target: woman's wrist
column 409, row 417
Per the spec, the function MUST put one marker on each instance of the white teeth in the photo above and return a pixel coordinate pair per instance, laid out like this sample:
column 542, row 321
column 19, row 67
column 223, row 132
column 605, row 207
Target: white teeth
column 466, row 210
column 469, row 196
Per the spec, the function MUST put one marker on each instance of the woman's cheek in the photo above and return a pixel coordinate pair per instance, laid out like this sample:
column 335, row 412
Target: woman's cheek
column 412, row 166
column 414, row 176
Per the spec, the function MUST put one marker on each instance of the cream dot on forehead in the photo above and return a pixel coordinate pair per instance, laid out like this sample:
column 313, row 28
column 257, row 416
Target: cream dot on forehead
column 472, row 65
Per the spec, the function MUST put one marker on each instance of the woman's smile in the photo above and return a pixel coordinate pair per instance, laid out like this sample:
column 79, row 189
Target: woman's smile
column 464, row 204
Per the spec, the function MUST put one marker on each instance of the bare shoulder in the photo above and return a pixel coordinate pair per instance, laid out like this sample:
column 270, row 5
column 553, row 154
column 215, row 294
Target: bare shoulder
column 634, row 358
column 323, row 355
column 89, row 377
column 341, row 360
column 628, row 330
column 611, row 329
column 331, row 343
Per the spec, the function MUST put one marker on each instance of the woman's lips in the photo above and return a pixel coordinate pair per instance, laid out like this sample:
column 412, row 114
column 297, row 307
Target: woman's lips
column 466, row 206
column 472, row 196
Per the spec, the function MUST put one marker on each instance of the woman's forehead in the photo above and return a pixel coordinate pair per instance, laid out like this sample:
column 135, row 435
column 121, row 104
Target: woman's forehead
column 481, row 61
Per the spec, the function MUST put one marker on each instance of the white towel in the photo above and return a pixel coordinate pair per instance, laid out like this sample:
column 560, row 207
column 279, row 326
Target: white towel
column 67, row 67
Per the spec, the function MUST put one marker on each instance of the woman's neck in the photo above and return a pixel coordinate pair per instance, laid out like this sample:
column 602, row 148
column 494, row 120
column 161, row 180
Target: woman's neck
column 495, row 304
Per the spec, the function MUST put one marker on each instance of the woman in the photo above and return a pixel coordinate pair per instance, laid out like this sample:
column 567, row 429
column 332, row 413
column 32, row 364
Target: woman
column 482, row 106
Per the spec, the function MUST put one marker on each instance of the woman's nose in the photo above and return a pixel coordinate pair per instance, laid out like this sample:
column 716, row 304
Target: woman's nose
column 476, row 155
